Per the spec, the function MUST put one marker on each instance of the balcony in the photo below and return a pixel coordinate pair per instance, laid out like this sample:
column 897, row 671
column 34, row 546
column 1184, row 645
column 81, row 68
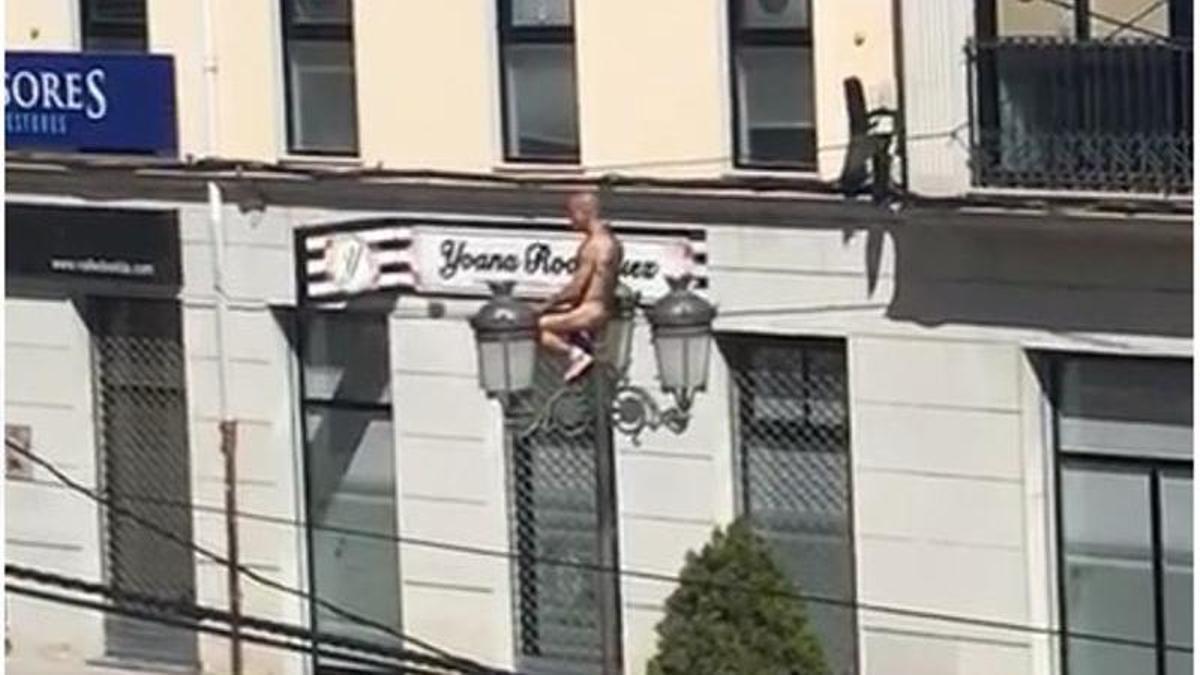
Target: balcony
column 1059, row 114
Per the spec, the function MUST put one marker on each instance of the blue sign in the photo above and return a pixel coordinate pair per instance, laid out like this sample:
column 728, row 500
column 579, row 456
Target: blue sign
column 89, row 102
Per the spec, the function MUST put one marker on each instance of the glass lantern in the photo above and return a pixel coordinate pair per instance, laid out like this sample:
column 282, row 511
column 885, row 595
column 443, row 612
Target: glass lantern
column 506, row 341
column 681, row 323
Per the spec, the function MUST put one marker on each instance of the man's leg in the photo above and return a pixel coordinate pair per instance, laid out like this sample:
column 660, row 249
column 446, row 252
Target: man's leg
column 555, row 332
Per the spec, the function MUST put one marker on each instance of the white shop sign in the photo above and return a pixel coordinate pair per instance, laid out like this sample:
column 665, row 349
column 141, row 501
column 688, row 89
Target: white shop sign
column 349, row 259
column 463, row 261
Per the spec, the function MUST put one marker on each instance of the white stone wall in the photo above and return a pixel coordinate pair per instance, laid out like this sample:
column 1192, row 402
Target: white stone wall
column 952, row 504
column 47, row 386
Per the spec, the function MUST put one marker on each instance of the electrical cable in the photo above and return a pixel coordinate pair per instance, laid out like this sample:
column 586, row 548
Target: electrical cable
column 153, row 606
column 466, row 664
column 679, row 580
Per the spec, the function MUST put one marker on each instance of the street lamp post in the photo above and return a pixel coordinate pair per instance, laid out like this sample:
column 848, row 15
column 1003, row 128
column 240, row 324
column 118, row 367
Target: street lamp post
column 506, row 342
column 681, row 329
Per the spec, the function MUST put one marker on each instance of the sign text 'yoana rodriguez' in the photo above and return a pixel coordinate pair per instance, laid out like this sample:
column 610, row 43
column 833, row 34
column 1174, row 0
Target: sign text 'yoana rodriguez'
column 464, row 260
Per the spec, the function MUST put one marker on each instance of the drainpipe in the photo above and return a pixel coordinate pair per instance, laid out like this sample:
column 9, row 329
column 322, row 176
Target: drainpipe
column 901, row 123
column 227, row 428
column 210, row 79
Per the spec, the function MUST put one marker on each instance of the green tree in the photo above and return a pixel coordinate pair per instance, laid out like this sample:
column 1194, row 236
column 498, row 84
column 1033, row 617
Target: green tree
column 735, row 614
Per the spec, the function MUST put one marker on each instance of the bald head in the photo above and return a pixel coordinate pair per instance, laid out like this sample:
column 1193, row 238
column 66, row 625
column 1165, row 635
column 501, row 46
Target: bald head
column 584, row 208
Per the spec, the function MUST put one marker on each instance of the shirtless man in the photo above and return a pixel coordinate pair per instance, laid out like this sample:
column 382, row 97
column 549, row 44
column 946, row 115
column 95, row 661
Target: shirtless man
column 574, row 317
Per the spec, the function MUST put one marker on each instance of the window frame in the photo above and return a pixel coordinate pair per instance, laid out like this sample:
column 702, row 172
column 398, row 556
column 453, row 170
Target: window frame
column 507, row 33
column 739, row 38
column 1153, row 468
column 300, row 322
column 92, row 28
column 735, row 347
column 291, row 29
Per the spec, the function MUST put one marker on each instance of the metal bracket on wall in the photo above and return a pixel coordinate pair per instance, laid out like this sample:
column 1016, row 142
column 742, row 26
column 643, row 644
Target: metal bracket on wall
column 568, row 409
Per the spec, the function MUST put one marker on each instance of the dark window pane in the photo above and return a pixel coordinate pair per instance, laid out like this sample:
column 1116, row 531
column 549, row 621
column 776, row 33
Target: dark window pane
column 114, row 25
column 794, row 473
column 540, row 92
column 352, row 469
column 777, row 14
column 1176, row 498
column 114, row 43
column 321, row 12
column 530, row 13
column 1109, row 567
column 1094, row 657
column 342, row 360
column 117, row 11
column 553, row 491
column 323, row 109
column 777, row 111
column 1140, row 408
column 1179, row 663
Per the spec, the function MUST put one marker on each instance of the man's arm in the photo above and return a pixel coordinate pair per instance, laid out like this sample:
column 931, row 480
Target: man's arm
column 574, row 288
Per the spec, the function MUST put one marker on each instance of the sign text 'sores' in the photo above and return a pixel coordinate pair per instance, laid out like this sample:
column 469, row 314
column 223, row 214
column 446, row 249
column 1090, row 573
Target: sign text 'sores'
column 116, row 103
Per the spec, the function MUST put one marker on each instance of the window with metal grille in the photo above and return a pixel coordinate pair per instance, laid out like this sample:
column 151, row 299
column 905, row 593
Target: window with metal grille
column 350, row 472
column 1082, row 95
column 771, row 61
column 1123, row 431
column 318, row 59
column 113, row 25
column 537, row 74
column 792, row 445
column 559, row 620
column 141, row 411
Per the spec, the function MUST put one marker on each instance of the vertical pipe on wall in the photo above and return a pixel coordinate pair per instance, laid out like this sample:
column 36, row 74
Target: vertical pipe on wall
column 228, row 426
column 210, row 79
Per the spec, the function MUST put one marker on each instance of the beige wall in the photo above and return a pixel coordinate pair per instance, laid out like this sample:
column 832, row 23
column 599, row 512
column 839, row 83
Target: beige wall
column 176, row 28
column 41, row 24
column 849, row 39
column 653, row 79
column 249, row 76
column 426, row 84
column 653, row 86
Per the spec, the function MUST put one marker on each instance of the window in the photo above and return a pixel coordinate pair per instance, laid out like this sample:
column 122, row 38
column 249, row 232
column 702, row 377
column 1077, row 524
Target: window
column 792, row 442
column 773, row 95
column 350, row 472
column 1085, row 19
column 113, row 25
column 318, row 46
column 142, row 438
column 537, row 64
column 1082, row 95
column 1124, row 447
column 558, row 608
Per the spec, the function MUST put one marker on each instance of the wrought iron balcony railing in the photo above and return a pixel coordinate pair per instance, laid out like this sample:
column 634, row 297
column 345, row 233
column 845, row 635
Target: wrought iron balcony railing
column 1058, row 114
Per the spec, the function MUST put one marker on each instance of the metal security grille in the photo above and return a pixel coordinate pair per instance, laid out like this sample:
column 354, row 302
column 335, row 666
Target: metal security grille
column 792, row 440
column 142, row 434
column 558, row 612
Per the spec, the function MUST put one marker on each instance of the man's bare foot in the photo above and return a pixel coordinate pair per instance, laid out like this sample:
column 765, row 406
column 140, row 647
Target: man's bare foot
column 580, row 363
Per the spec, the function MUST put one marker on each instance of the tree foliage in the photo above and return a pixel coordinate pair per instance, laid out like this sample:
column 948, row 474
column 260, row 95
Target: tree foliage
column 735, row 613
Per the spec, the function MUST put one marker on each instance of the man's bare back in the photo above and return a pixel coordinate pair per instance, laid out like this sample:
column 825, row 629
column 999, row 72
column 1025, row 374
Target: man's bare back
column 577, row 314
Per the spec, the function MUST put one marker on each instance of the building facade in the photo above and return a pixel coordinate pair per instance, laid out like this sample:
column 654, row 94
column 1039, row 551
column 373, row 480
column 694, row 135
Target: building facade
column 958, row 409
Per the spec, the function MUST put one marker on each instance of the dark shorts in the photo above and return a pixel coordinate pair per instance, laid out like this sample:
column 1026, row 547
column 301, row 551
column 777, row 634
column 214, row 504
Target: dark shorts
column 584, row 340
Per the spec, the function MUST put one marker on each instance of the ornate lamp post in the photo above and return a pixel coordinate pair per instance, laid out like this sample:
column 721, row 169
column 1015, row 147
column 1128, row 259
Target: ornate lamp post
column 681, row 326
column 506, row 340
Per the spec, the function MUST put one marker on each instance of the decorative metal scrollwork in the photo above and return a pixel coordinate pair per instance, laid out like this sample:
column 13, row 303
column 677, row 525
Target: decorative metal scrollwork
column 570, row 410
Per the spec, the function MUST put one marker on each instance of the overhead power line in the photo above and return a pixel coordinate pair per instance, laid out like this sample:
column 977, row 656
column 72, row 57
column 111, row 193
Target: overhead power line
column 192, row 616
column 994, row 624
column 467, row 665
